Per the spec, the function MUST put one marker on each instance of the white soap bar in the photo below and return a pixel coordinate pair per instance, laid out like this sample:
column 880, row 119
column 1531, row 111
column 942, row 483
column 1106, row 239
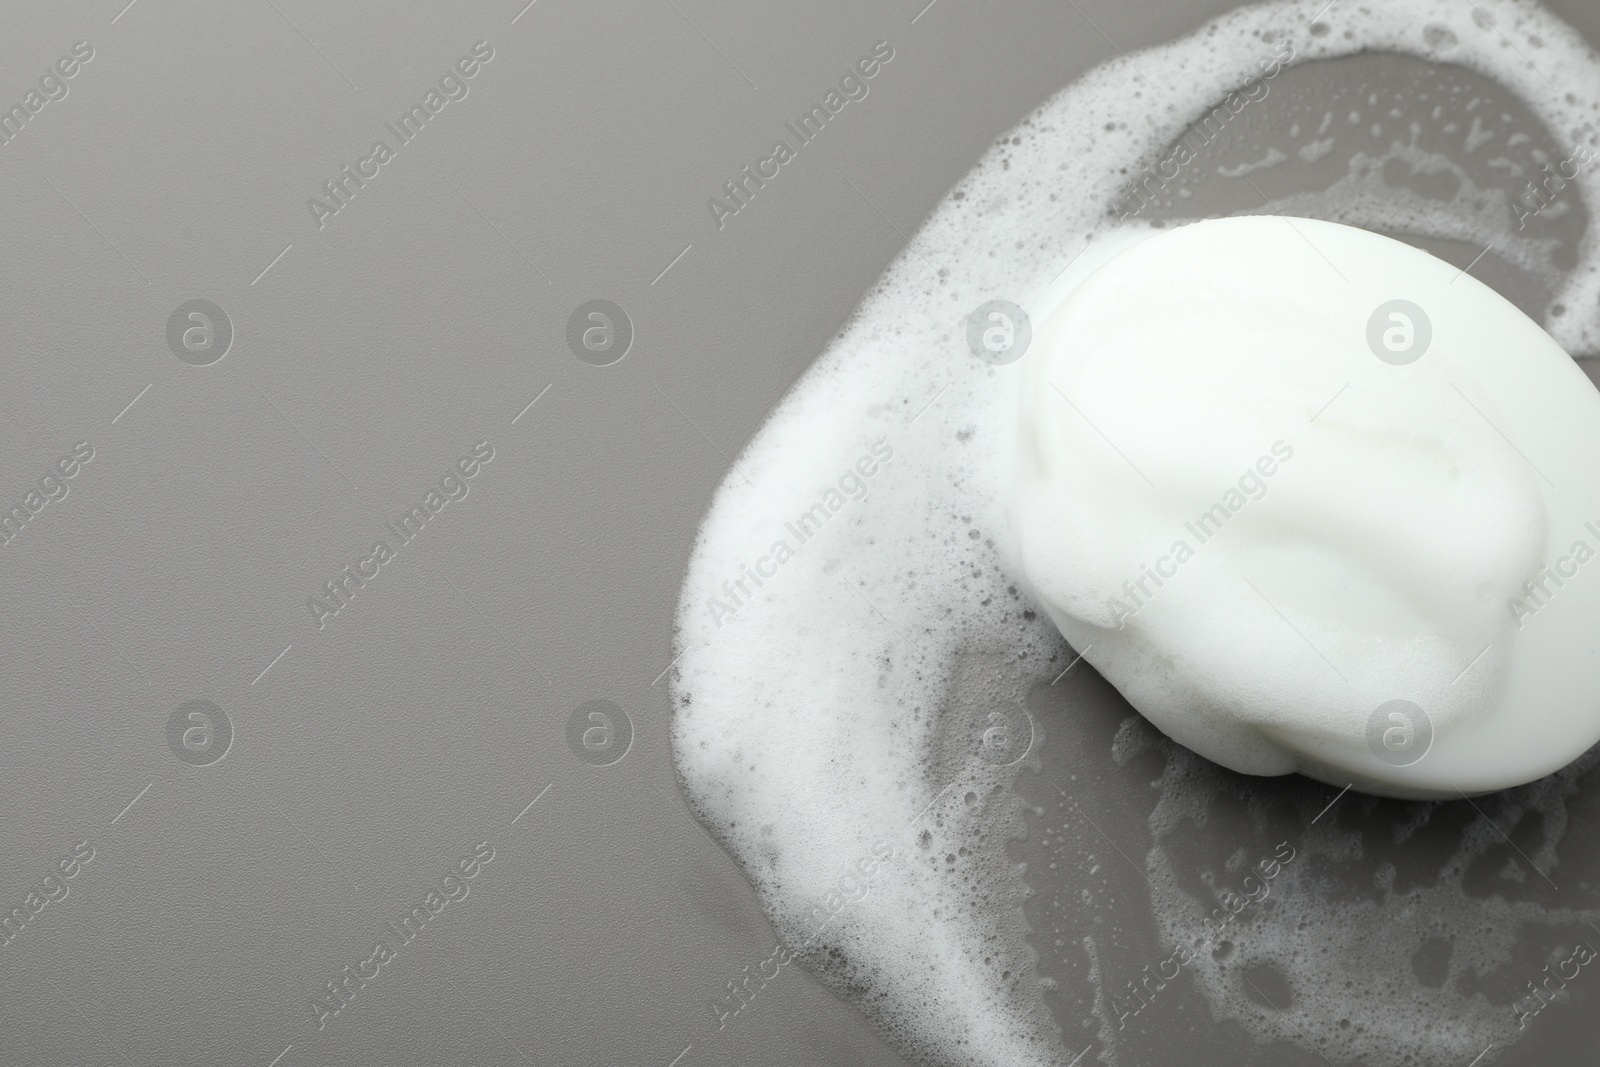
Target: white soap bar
column 1317, row 501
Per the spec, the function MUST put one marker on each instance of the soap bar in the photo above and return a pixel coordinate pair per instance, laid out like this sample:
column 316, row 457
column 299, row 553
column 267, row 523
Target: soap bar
column 1314, row 500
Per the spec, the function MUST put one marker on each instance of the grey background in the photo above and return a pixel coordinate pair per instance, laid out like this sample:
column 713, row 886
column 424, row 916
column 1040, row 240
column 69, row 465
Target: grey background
column 367, row 358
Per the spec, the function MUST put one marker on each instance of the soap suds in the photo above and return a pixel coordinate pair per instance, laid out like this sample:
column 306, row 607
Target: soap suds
column 1266, row 532
column 849, row 700
column 1348, row 955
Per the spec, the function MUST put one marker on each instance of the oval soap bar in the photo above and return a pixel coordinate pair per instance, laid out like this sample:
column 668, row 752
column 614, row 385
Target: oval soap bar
column 1314, row 500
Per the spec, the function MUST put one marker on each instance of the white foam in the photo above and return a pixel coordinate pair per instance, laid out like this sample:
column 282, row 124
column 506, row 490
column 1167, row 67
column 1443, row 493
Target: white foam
column 1266, row 530
column 1348, row 951
column 846, row 699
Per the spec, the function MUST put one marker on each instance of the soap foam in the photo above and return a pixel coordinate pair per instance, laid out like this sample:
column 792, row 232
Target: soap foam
column 1381, row 513
column 1349, row 919
column 871, row 688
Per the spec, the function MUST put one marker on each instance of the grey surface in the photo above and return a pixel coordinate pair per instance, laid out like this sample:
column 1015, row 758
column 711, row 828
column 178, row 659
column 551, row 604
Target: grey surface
column 367, row 357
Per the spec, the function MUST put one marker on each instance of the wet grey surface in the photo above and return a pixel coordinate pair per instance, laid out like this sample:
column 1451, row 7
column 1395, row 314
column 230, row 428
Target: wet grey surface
column 231, row 881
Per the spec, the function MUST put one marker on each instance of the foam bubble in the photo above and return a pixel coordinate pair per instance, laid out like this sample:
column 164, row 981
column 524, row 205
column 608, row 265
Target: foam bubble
column 1378, row 955
column 846, row 698
column 1266, row 530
